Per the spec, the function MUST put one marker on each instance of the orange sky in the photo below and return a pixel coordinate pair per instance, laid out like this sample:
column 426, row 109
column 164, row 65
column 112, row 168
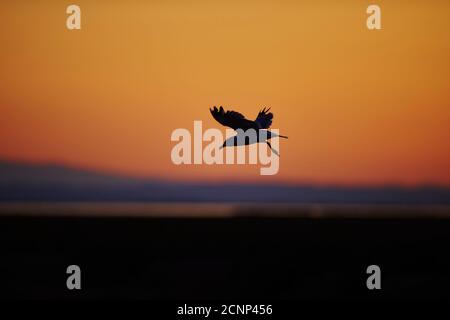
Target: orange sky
column 359, row 106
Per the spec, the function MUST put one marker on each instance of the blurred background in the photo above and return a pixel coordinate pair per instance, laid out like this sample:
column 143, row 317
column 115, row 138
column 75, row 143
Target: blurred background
column 361, row 107
column 85, row 123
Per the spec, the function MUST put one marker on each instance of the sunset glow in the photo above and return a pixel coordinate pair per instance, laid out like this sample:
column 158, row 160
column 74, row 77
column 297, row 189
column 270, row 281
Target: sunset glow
column 359, row 106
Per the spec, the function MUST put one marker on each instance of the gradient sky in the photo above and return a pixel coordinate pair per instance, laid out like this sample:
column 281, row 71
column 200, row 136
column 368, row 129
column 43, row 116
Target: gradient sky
column 359, row 106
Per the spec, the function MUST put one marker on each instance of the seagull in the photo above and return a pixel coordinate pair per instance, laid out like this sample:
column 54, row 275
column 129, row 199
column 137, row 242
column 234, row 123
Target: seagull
column 237, row 121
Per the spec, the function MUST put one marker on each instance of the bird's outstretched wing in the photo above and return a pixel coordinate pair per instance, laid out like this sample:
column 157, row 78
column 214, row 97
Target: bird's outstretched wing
column 264, row 119
column 232, row 119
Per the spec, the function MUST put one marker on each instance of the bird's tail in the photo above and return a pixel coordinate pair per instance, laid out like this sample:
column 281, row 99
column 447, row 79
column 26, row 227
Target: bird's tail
column 283, row 136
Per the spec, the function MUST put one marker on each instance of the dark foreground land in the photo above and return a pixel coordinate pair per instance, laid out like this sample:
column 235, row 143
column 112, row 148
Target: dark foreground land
column 239, row 257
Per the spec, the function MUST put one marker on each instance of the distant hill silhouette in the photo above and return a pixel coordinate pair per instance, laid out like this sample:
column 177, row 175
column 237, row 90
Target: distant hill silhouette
column 31, row 182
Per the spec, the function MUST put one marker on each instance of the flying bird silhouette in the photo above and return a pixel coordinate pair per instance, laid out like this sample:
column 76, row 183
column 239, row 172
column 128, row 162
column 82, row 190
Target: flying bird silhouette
column 238, row 122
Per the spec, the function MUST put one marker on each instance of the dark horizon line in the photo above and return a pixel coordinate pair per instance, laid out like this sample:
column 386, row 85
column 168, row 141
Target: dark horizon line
column 153, row 179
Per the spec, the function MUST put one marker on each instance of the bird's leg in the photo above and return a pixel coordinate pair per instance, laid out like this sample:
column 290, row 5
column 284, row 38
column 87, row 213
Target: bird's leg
column 273, row 150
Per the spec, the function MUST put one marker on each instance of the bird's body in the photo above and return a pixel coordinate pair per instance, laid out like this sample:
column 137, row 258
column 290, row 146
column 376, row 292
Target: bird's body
column 248, row 131
column 243, row 138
